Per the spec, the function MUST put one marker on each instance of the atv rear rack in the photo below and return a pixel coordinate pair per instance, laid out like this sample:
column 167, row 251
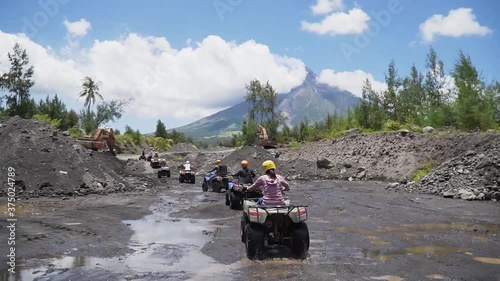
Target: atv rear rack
column 289, row 207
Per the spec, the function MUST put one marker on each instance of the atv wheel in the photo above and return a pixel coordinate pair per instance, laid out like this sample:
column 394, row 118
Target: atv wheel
column 168, row 174
column 204, row 187
column 234, row 202
column 216, row 187
column 254, row 241
column 300, row 240
column 181, row 180
column 159, row 174
column 242, row 230
column 227, row 200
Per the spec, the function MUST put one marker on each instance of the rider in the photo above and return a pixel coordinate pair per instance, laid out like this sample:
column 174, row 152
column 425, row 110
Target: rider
column 187, row 166
column 245, row 175
column 271, row 185
column 217, row 166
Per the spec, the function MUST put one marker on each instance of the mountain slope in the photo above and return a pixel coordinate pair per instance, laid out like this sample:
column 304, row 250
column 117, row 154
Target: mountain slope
column 311, row 101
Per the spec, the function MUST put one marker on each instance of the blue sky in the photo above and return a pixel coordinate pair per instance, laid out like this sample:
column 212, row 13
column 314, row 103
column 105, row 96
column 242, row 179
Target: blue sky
column 96, row 40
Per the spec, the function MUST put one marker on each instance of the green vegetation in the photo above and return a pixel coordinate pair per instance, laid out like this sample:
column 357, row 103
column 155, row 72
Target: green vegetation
column 423, row 171
column 413, row 102
column 17, row 82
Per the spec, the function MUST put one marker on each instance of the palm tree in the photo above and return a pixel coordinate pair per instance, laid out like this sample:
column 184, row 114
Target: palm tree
column 90, row 91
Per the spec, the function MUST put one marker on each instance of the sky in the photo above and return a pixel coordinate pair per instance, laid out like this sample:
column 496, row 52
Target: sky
column 179, row 61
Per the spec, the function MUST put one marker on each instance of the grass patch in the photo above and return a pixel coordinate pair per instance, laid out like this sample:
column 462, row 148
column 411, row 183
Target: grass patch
column 423, row 171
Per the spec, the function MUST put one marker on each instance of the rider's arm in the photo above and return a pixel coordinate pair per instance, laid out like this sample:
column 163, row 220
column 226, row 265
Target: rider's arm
column 253, row 173
column 257, row 185
column 284, row 183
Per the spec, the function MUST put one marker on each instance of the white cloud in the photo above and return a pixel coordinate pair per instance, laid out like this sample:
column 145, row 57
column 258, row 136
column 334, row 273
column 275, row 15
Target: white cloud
column 324, row 7
column 77, row 28
column 457, row 23
column 188, row 83
column 351, row 81
column 355, row 21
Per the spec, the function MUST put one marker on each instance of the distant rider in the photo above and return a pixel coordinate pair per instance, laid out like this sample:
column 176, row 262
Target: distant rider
column 187, row 166
column 271, row 185
column 245, row 175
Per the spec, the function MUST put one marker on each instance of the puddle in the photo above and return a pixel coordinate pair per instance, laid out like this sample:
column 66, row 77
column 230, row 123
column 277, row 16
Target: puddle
column 481, row 239
column 387, row 278
column 162, row 244
column 23, row 209
column 488, row 260
column 410, row 229
column 436, row 276
column 377, row 241
column 452, row 226
column 416, row 250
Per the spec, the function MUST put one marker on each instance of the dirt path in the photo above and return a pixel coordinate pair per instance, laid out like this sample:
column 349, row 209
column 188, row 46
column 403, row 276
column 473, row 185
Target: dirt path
column 359, row 231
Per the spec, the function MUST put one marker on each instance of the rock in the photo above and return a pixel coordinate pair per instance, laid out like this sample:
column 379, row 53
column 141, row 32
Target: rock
column 481, row 196
column 66, row 133
column 63, row 172
column 392, row 185
column 347, row 165
column 324, row 164
column 470, row 153
column 465, row 194
column 361, row 175
column 428, row 129
column 449, row 194
column 495, row 196
column 353, row 131
column 404, row 132
column 77, row 147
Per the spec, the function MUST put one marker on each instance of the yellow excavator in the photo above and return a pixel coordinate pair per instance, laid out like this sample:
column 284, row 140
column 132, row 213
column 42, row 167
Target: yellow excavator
column 263, row 139
column 103, row 139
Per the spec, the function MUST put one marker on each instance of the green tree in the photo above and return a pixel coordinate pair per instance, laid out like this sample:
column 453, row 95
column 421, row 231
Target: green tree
column 412, row 99
column 105, row 112
column 161, row 130
column 263, row 101
column 473, row 111
column 391, row 95
column 18, row 82
column 90, row 90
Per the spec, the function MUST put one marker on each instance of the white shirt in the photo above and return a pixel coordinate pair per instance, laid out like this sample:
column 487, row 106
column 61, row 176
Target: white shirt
column 187, row 167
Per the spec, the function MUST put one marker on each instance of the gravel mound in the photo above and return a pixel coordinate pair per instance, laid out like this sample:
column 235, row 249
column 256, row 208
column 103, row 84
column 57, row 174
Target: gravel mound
column 183, row 147
column 470, row 176
column 50, row 163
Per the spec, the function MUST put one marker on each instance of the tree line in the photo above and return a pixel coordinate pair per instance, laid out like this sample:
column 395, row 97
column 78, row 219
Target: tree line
column 18, row 81
column 413, row 101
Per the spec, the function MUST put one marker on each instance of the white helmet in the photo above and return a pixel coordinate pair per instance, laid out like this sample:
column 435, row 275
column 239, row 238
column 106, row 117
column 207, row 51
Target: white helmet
column 187, row 162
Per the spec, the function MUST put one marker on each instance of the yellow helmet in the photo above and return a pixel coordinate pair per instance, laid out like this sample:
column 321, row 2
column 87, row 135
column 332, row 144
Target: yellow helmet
column 268, row 165
column 218, row 161
column 244, row 163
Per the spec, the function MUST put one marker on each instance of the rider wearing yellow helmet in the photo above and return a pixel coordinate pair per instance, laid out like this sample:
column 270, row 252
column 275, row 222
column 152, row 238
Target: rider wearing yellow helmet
column 245, row 175
column 271, row 185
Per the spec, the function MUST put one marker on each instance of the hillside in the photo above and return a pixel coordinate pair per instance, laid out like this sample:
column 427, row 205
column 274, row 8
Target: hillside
column 311, row 100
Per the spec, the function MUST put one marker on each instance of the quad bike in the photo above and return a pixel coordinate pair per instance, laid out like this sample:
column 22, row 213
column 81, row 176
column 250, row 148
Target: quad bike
column 149, row 158
column 187, row 176
column 235, row 194
column 217, row 183
column 276, row 225
column 164, row 169
column 155, row 163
